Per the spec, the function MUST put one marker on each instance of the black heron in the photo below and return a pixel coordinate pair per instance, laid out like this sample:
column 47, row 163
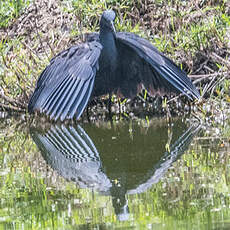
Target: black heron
column 109, row 62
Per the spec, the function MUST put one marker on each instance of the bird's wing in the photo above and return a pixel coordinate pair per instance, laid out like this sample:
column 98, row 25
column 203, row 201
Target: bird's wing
column 166, row 76
column 65, row 86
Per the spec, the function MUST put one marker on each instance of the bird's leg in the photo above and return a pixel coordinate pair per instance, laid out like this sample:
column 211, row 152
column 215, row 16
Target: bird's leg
column 119, row 104
column 110, row 104
column 87, row 113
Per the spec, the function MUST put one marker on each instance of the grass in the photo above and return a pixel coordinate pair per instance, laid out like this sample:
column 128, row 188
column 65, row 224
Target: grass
column 195, row 36
column 10, row 10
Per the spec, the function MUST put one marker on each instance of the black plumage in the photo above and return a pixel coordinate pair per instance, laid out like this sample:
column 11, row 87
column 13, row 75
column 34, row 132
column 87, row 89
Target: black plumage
column 108, row 62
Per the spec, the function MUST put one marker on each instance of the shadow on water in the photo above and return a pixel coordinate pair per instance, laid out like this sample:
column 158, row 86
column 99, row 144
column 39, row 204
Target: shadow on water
column 115, row 161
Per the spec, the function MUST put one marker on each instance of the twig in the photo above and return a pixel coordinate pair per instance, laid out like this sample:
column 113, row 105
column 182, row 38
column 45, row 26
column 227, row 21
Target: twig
column 51, row 48
column 28, row 47
column 174, row 98
column 4, row 60
column 24, row 92
column 207, row 86
column 12, row 101
column 207, row 138
column 217, row 82
column 209, row 75
column 10, row 107
column 64, row 34
column 201, row 66
column 39, row 37
column 209, row 69
column 32, row 52
column 220, row 59
column 199, row 80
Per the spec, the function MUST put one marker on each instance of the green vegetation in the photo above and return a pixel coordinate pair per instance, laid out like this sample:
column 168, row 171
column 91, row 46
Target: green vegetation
column 194, row 192
column 10, row 10
column 196, row 36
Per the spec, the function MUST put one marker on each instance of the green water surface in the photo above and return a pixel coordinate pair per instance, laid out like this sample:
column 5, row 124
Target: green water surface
column 114, row 175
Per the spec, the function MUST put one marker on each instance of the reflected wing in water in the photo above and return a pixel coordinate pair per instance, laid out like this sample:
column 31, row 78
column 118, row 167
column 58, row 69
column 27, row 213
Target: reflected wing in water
column 175, row 151
column 70, row 151
column 137, row 164
column 132, row 165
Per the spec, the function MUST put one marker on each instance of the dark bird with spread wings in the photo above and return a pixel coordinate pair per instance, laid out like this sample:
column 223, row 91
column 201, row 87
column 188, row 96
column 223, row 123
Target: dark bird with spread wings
column 109, row 62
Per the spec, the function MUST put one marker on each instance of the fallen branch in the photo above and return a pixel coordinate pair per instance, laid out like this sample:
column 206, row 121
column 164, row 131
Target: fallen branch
column 208, row 86
column 209, row 75
column 12, row 101
column 220, row 59
column 11, row 108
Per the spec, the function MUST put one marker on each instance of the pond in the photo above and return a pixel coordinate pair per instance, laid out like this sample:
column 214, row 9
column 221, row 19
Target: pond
column 128, row 174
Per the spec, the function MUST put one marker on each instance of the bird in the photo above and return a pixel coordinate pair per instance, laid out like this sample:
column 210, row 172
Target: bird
column 108, row 62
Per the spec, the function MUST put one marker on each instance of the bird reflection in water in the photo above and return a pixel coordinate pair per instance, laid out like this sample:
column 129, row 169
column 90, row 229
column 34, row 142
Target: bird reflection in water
column 109, row 160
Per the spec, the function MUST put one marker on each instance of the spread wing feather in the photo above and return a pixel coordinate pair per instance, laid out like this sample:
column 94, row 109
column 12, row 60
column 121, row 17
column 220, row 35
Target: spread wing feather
column 64, row 87
column 165, row 74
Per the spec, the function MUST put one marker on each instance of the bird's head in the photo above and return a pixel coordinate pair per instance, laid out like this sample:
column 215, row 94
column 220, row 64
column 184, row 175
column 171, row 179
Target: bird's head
column 107, row 20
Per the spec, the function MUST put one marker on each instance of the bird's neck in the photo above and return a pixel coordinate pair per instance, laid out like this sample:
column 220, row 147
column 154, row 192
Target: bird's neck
column 108, row 41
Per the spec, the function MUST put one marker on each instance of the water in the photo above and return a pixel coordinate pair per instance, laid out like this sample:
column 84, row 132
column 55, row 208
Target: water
column 144, row 174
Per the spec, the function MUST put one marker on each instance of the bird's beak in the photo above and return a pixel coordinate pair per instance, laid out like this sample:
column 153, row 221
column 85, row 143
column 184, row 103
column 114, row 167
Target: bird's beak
column 113, row 27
